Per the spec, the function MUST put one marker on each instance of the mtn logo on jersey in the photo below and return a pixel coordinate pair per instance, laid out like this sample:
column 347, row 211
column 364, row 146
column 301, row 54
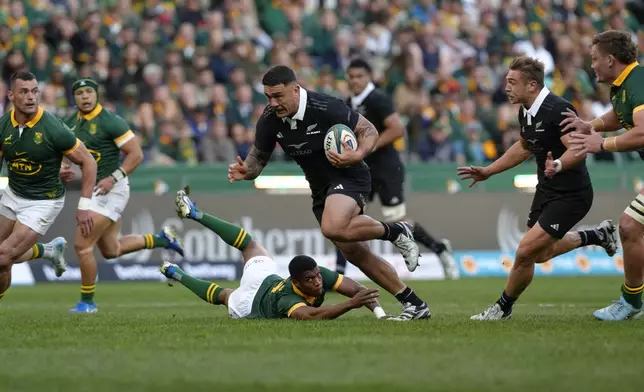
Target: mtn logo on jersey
column 24, row 167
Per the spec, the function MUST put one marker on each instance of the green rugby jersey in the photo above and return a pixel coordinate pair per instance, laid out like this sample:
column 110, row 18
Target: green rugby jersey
column 627, row 94
column 278, row 297
column 103, row 133
column 33, row 154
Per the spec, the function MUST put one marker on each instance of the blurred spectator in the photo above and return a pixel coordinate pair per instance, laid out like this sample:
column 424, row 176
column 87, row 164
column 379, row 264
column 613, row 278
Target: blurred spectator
column 186, row 74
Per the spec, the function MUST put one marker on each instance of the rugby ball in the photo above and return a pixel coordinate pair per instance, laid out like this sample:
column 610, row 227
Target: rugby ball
column 336, row 135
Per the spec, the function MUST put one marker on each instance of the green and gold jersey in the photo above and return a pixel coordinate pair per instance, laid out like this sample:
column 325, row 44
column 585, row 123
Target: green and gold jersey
column 33, row 154
column 103, row 133
column 278, row 297
column 627, row 94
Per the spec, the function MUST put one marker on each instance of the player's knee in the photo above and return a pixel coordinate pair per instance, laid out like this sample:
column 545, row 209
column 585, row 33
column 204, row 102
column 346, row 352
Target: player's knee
column 82, row 247
column 335, row 232
column 5, row 256
column 524, row 255
column 629, row 228
column 111, row 253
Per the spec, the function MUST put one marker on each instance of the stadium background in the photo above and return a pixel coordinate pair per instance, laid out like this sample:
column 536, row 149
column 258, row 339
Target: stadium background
column 185, row 75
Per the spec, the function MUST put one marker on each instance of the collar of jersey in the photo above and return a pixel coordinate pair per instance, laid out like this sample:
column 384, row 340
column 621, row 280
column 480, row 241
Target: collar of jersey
column 92, row 115
column 30, row 124
column 534, row 109
column 358, row 99
column 300, row 110
column 622, row 77
column 308, row 299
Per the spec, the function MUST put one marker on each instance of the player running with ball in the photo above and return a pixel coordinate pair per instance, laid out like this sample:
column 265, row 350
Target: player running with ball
column 614, row 60
column 34, row 143
column 298, row 119
column 106, row 136
column 262, row 294
column 564, row 192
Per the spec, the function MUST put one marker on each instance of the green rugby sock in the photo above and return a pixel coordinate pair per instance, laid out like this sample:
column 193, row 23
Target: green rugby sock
column 154, row 241
column 87, row 293
column 633, row 295
column 204, row 289
column 234, row 236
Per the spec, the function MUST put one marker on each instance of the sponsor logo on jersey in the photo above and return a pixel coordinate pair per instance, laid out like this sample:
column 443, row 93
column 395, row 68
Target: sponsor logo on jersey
column 38, row 137
column 24, row 167
column 97, row 155
column 7, row 140
column 297, row 146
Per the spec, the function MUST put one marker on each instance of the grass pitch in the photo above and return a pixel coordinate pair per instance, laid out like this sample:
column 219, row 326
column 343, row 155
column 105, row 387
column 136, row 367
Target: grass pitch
column 149, row 337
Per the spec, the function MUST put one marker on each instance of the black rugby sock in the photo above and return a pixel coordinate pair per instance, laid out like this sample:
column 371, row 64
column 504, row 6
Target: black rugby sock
column 409, row 296
column 506, row 302
column 421, row 235
column 392, row 231
column 340, row 262
column 591, row 237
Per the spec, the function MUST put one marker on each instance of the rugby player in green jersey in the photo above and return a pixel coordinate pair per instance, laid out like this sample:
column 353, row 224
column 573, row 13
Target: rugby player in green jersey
column 614, row 60
column 262, row 293
column 33, row 144
column 106, row 136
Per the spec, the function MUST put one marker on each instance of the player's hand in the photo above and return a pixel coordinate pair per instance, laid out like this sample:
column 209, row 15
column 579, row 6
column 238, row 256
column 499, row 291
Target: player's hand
column 551, row 167
column 584, row 144
column 365, row 297
column 349, row 157
column 66, row 173
column 104, row 186
column 84, row 221
column 237, row 170
column 474, row 173
column 573, row 122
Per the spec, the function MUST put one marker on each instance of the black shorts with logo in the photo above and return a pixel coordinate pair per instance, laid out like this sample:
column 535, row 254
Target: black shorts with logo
column 559, row 213
column 356, row 187
column 389, row 184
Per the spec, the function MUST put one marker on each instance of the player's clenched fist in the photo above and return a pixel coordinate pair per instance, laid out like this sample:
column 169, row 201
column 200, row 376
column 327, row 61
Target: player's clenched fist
column 237, row 170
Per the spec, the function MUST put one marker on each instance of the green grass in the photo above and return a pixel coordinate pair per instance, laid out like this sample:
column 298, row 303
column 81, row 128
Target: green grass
column 149, row 337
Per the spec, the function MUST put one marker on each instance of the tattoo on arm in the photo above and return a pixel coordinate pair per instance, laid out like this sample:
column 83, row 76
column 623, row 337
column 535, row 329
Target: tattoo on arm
column 367, row 135
column 256, row 162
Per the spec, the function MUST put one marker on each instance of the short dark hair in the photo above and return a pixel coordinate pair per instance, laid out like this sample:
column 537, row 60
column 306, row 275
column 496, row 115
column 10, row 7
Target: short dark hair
column 531, row 69
column 279, row 74
column 360, row 63
column 21, row 75
column 618, row 44
column 301, row 264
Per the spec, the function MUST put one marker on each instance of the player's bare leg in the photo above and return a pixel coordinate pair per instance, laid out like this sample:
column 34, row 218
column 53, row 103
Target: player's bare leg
column 538, row 246
column 105, row 235
column 384, row 275
column 19, row 241
column 341, row 222
column 631, row 232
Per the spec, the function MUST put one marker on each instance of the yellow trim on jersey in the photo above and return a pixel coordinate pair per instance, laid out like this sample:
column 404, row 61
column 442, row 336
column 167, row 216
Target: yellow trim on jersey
column 71, row 150
column 637, row 109
column 308, row 299
column 124, row 138
column 29, row 124
column 622, row 77
column 296, row 306
column 92, row 115
column 338, row 282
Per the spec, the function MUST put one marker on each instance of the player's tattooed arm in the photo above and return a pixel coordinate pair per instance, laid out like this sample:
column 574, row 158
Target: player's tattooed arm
column 256, row 161
column 367, row 136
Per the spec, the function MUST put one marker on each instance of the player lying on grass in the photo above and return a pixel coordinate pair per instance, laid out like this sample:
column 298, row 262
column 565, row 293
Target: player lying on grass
column 262, row 293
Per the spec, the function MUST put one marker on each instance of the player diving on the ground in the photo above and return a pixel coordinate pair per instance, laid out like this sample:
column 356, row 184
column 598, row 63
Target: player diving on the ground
column 262, row 293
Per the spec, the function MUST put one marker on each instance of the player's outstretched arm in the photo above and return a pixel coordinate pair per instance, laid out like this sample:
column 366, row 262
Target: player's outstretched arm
column 515, row 155
column 349, row 288
column 608, row 122
column 256, row 161
column 632, row 140
column 362, row 298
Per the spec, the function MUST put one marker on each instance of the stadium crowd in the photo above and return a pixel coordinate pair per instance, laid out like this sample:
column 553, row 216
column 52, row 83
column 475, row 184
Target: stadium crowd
column 186, row 74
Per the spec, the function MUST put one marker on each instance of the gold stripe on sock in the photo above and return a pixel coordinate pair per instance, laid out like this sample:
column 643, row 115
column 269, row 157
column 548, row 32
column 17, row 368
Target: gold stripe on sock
column 241, row 241
column 241, row 231
column 209, row 292
column 633, row 290
column 36, row 252
column 148, row 241
column 88, row 287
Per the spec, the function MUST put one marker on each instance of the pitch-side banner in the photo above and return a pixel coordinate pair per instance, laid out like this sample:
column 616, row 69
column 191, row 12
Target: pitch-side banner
column 285, row 225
